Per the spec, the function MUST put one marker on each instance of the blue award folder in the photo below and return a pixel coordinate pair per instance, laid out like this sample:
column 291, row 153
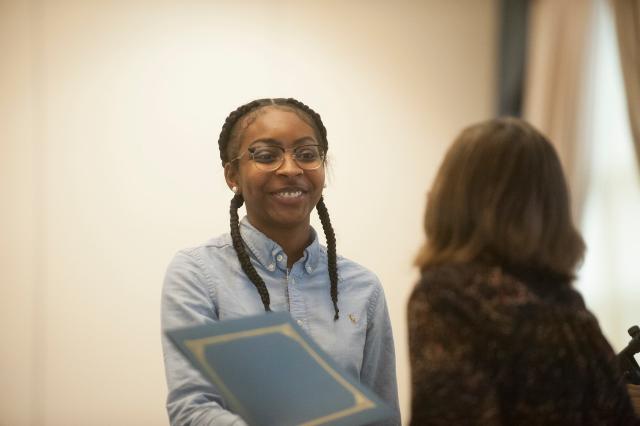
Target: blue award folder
column 271, row 373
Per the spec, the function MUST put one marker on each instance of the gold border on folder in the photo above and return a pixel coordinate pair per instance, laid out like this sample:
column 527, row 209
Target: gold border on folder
column 197, row 346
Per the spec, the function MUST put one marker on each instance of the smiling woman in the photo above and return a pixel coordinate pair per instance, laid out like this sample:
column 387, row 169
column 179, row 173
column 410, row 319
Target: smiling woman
column 273, row 153
column 280, row 191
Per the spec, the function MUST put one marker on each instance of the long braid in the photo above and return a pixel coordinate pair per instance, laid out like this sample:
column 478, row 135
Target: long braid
column 237, row 201
column 323, row 213
column 331, row 253
column 243, row 257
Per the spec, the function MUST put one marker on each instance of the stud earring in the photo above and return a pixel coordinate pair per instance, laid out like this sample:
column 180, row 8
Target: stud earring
column 234, row 189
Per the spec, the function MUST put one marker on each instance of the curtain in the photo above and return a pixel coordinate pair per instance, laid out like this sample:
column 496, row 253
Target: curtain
column 511, row 60
column 627, row 17
column 557, row 42
column 609, row 277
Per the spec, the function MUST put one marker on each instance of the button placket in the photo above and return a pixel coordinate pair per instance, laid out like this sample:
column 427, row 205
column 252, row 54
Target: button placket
column 296, row 301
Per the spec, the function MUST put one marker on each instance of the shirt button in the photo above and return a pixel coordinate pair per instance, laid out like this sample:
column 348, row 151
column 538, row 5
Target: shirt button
column 279, row 258
column 309, row 268
column 293, row 280
column 271, row 267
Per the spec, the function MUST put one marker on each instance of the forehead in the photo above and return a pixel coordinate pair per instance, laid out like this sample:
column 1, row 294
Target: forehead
column 282, row 125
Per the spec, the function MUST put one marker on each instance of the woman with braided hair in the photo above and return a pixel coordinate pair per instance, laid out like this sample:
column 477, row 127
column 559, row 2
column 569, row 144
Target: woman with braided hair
column 273, row 152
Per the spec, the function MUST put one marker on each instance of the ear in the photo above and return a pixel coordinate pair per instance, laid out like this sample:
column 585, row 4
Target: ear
column 231, row 175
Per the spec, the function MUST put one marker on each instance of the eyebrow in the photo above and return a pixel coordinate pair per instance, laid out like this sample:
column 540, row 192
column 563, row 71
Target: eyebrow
column 275, row 142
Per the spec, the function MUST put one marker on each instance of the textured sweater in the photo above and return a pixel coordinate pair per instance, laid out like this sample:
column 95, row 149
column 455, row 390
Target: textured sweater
column 493, row 347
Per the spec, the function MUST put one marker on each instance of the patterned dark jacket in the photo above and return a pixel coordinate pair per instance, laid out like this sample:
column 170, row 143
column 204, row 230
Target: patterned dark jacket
column 495, row 347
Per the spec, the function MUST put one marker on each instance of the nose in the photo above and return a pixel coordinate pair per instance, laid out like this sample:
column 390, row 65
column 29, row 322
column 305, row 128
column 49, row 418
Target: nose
column 289, row 167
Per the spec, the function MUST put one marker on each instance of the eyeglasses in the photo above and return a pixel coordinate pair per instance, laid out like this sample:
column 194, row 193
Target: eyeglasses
column 268, row 158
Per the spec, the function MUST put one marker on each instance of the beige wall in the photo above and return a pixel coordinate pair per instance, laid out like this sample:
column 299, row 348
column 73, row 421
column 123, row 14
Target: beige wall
column 109, row 164
column 19, row 223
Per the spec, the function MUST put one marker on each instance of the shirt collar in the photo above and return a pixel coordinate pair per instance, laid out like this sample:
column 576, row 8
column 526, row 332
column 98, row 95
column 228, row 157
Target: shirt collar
column 266, row 251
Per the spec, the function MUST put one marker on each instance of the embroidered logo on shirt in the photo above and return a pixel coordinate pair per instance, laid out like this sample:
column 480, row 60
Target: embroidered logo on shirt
column 353, row 318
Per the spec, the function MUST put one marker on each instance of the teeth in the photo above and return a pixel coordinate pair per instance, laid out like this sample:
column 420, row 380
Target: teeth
column 290, row 194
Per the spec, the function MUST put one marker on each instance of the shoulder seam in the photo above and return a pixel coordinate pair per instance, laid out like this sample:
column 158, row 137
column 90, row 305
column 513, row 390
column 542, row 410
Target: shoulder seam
column 373, row 301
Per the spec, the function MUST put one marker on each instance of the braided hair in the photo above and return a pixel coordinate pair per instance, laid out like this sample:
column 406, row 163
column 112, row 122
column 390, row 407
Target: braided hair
column 228, row 135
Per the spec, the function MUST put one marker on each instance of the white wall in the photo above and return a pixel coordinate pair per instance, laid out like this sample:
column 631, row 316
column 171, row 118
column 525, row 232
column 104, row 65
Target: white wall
column 109, row 164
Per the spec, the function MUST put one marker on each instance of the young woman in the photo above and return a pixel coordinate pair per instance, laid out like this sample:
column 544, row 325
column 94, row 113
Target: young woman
column 497, row 334
column 273, row 152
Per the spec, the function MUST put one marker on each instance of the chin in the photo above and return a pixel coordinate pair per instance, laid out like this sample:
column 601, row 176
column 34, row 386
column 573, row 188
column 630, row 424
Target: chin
column 290, row 220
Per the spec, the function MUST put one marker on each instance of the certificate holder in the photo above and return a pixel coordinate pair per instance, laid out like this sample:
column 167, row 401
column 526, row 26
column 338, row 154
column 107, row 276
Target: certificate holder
column 270, row 372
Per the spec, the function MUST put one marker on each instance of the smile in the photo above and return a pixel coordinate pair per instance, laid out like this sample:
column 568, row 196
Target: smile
column 289, row 194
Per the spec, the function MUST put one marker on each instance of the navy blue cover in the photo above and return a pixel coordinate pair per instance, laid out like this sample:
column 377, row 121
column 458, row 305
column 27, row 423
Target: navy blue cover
column 271, row 373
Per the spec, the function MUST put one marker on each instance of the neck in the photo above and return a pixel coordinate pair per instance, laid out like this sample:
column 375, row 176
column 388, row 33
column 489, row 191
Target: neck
column 293, row 240
column 293, row 244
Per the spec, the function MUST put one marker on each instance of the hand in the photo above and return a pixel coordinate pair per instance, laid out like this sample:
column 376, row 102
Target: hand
column 634, row 393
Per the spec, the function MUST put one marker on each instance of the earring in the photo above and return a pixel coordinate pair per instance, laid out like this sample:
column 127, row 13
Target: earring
column 234, row 189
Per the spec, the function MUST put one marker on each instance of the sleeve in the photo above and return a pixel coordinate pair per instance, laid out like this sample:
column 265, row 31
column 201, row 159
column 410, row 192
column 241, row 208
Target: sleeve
column 449, row 384
column 379, row 361
column 191, row 400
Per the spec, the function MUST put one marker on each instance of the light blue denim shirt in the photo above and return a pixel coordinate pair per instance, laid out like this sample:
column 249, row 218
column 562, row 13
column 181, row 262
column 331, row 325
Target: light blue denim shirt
column 206, row 284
